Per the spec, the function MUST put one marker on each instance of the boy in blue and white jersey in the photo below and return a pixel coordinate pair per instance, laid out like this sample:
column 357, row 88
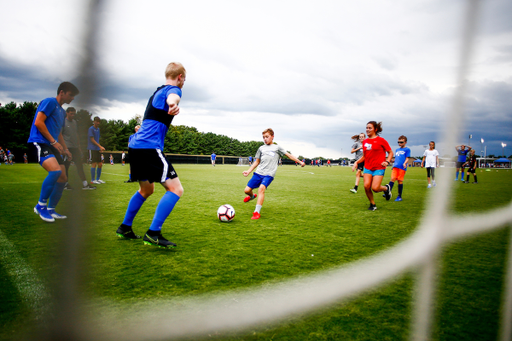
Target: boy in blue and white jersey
column 148, row 163
column 402, row 155
column 46, row 138
column 266, row 160
column 94, row 147
column 462, row 153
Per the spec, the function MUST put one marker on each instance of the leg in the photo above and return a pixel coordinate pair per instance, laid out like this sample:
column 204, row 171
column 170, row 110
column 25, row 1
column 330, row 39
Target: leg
column 367, row 180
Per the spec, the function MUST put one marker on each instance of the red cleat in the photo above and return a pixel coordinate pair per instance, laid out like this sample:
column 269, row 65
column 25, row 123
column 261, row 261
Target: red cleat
column 248, row 198
column 255, row 216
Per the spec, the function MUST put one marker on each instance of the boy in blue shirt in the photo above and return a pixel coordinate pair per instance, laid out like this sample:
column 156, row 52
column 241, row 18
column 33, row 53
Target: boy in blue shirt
column 46, row 138
column 462, row 153
column 402, row 155
column 148, row 163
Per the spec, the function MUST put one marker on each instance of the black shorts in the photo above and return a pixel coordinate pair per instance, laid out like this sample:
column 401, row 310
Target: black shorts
column 94, row 156
column 471, row 170
column 460, row 164
column 360, row 166
column 150, row 165
column 44, row 150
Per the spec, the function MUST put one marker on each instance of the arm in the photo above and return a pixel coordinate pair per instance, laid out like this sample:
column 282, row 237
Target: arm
column 406, row 162
column 40, row 124
column 64, row 147
column 437, row 161
column 302, row 164
column 355, row 149
column 254, row 165
column 423, row 161
column 172, row 101
column 93, row 141
column 390, row 156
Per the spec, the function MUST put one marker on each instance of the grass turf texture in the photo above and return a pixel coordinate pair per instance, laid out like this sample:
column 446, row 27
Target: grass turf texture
column 309, row 222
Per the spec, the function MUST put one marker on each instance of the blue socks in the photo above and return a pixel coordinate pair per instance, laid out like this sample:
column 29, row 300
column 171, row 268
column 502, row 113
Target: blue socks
column 56, row 195
column 48, row 185
column 98, row 174
column 164, row 208
column 391, row 184
column 133, row 207
column 93, row 173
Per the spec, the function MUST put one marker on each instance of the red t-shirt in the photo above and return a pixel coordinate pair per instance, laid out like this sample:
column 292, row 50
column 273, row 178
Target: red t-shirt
column 374, row 151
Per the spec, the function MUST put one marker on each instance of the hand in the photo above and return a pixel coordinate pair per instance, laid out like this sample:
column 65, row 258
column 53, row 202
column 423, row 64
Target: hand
column 68, row 154
column 354, row 167
column 384, row 164
column 245, row 173
column 173, row 109
column 59, row 147
column 102, row 148
column 302, row 164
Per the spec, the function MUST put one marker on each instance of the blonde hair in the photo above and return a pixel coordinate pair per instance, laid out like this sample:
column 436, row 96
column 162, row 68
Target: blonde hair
column 174, row 69
column 268, row 130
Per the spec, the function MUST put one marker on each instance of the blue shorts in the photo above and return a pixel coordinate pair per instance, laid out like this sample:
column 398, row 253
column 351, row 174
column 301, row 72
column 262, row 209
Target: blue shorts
column 377, row 172
column 258, row 180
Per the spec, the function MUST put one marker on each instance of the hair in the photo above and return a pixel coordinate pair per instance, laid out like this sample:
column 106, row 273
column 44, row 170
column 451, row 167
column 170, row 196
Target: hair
column 376, row 126
column 70, row 109
column 137, row 127
column 268, row 130
column 356, row 137
column 174, row 69
column 433, row 143
column 97, row 118
column 403, row 137
column 68, row 87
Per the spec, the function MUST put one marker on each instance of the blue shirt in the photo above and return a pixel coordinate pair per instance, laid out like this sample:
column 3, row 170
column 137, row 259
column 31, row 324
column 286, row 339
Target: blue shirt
column 151, row 134
column 400, row 155
column 214, row 156
column 55, row 116
column 95, row 133
column 462, row 155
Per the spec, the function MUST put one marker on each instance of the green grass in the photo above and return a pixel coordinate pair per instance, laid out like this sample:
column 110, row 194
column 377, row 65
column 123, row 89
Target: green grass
column 307, row 211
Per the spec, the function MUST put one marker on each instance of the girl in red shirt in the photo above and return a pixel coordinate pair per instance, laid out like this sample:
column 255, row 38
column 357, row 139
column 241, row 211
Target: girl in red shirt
column 375, row 162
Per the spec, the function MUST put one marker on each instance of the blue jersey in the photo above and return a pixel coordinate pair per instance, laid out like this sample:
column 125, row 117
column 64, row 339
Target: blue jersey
column 400, row 155
column 214, row 156
column 55, row 117
column 94, row 133
column 462, row 155
column 157, row 120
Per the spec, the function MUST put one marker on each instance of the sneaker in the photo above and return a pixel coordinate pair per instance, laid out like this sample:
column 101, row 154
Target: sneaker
column 43, row 213
column 353, row 190
column 456, row 179
column 429, row 186
column 158, row 240
column 255, row 216
column 372, row 207
column 248, row 198
column 476, row 182
column 388, row 193
column 88, row 187
column 68, row 187
column 129, row 180
column 398, row 199
column 95, row 182
column 433, row 184
column 126, row 232
column 56, row 215
column 100, row 181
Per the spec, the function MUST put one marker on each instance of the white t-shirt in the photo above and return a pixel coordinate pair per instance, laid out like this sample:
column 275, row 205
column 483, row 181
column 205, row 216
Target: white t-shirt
column 430, row 159
column 269, row 157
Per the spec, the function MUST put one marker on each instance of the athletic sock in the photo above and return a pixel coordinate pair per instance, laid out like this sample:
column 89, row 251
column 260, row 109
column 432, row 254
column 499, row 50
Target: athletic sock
column 93, row 173
column 56, row 195
column 457, row 176
column 400, row 189
column 258, row 208
column 133, row 207
column 391, row 184
column 48, row 185
column 467, row 178
column 164, row 208
column 355, row 187
column 98, row 174
column 476, row 179
column 462, row 177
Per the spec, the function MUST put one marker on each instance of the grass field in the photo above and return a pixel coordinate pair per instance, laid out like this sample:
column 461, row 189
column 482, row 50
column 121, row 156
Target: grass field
column 310, row 222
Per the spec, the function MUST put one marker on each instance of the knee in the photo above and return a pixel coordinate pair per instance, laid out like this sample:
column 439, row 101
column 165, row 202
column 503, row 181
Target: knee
column 146, row 192
column 178, row 190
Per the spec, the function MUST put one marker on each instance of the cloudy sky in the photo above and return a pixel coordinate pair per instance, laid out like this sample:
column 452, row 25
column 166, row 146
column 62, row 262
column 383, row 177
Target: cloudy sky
column 315, row 72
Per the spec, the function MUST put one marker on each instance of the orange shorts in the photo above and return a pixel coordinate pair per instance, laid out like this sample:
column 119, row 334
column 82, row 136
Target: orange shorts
column 397, row 173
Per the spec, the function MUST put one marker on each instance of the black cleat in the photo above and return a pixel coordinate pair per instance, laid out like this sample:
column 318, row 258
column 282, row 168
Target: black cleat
column 126, row 232
column 129, row 180
column 157, row 240
column 372, row 207
column 387, row 193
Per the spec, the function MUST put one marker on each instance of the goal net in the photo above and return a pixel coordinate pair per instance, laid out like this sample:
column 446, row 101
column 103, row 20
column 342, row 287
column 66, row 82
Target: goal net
column 243, row 161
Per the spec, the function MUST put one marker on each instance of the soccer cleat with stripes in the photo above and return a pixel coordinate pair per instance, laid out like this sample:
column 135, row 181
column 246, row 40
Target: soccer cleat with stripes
column 56, row 215
column 353, row 190
column 126, row 232
column 372, row 207
column 98, row 181
column 157, row 240
column 388, row 193
column 248, row 198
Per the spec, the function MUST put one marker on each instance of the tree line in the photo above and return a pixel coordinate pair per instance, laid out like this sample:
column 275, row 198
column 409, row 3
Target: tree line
column 16, row 121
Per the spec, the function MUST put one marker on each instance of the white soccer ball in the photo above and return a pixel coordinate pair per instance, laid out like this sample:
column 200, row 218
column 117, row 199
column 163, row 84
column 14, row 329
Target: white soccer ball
column 226, row 213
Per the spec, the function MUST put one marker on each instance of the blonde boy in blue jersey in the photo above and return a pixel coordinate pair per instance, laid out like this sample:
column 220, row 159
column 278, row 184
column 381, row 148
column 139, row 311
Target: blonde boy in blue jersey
column 265, row 162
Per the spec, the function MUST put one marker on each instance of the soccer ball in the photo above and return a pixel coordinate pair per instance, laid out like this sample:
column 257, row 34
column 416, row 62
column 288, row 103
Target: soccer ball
column 226, row 213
